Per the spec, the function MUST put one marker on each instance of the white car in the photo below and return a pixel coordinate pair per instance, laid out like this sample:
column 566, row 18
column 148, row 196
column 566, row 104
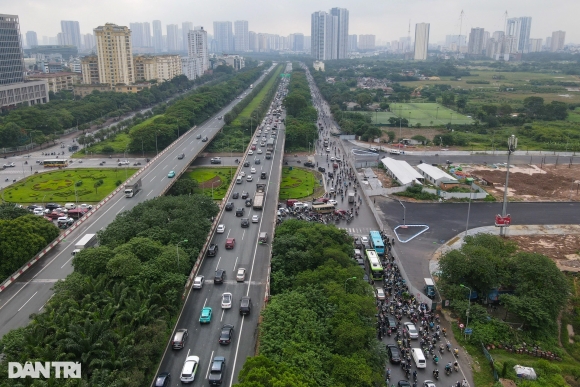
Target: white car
column 413, row 333
column 85, row 206
column 252, row 170
column 249, row 178
column 124, row 162
column 189, row 369
column 327, row 150
column 242, row 174
column 380, row 294
column 364, row 240
column 333, row 202
column 38, row 211
column 259, row 151
column 220, row 229
column 226, row 300
column 255, row 219
column 250, row 152
column 241, row 275
column 332, row 158
column 198, row 282
column 337, row 158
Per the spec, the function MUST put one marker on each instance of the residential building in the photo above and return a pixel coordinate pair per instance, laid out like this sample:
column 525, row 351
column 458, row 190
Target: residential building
column 191, row 67
column 494, row 47
column 90, row 69
column 535, row 45
column 172, row 37
column 340, row 36
column 89, row 42
column 13, row 89
column 146, row 33
column 31, row 39
column 307, row 43
column 475, row 45
column 457, row 40
column 241, row 36
column 366, row 42
column 160, row 68
column 223, row 36
column 548, row 45
column 421, row 40
column 137, row 38
column 252, row 41
column 352, row 43
column 114, row 54
column 84, row 90
column 185, row 28
column 322, row 32
column 557, row 41
column 298, row 43
column 71, row 33
column 519, row 28
column 157, row 36
column 197, row 48
column 234, row 61
column 76, row 67
column 58, row 82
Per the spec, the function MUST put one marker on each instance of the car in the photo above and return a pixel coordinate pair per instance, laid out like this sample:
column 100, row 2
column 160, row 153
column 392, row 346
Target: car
column 162, row 380
column 380, row 293
column 246, row 163
column 337, row 158
column 226, row 334
column 204, row 139
column 212, row 250
column 52, row 206
column 250, row 152
column 242, row 174
column 245, row 305
column 189, row 369
column 220, row 117
column 393, row 353
column 240, row 211
column 9, row 165
column 255, row 142
column 429, row 383
column 230, row 243
column 198, row 282
column 263, row 175
column 255, row 218
column 391, row 322
column 360, row 262
column 226, row 300
column 364, row 240
column 333, row 202
column 327, row 150
column 332, row 158
column 219, row 276
column 205, row 315
column 198, row 136
column 249, row 202
column 217, row 371
column 309, row 164
column 403, row 383
column 413, row 333
column 259, row 151
column 215, row 160
column 85, row 206
column 245, row 223
column 179, row 339
column 220, row 229
column 256, row 161
column 249, row 178
column 245, row 195
column 252, row 170
column 321, row 169
column 229, row 206
column 171, row 174
column 241, row 275
column 235, row 195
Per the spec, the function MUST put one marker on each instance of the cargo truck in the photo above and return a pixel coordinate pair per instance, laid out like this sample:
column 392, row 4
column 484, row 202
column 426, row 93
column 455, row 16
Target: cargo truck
column 259, row 196
column 86, row 241
column 132, row 189
column 270, row 145
column 351, row 197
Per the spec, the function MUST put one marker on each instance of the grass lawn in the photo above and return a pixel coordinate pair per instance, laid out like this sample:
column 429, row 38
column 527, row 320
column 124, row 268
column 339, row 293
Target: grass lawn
column 258, row 98
column 298, row 183
column 59, row 186
column 219, row 178
column 426, row 114
column 119, row 144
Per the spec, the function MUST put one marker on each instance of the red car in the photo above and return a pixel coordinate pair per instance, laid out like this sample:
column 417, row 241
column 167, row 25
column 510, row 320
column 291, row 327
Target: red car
column 323, row 200
column 55, row 215
column 230, row 243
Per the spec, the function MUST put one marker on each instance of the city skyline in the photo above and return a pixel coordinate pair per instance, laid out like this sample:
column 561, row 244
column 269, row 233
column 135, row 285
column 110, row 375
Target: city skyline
column 273, row 19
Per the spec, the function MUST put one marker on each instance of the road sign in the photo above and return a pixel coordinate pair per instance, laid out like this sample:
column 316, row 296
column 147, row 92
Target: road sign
column 461, row 326
column 468, row 331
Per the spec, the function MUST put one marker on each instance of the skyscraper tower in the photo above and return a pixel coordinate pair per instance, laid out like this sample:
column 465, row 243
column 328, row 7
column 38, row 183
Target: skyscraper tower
column 185, row 28
column 157, row 36
column 421, row 40
column 340, row 32
column 241, row 36
column 321, row 32
column 71, row 33
column 115, row 59
column 224, row 37
column 11, row 59
column 172, row 37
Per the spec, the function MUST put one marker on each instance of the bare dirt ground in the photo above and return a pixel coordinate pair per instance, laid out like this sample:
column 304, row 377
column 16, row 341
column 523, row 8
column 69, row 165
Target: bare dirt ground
column 562, row 249
column 385, row 180
column 551, row 183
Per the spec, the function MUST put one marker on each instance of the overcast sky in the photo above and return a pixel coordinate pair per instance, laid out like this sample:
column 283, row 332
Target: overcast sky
column 387, row 19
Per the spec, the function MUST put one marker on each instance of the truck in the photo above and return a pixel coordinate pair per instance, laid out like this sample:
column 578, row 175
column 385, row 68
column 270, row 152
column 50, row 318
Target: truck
column 270, row 145
column 259, row 196
column 252, row 86
column 132, row 189
column 351, row 197
column 86, row 241
column 73, row 148
column 268, row 155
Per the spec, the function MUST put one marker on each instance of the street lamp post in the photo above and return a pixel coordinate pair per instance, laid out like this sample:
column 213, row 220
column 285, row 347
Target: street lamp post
column 468, row 207
column 177, row 250
column 512, row 145
column 156, row 148
column 404, row 214
column 468, row 304
column 347, row 281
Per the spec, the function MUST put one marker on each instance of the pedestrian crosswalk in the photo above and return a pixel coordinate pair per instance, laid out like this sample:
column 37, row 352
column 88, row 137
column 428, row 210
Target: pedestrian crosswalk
column 356, row 230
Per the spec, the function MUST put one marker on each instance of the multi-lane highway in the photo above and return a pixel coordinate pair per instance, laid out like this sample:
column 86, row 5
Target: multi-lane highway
column 32, row 290
column 248, row 254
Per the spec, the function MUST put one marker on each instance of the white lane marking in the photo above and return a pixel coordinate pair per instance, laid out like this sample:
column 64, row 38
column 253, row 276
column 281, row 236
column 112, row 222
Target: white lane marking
column 204, row 303
column 209, row 365
column 120, row 210
column 218, row 263
column 150, row 192
column 68, row 260
column 222, row 318
column 227, row 236
column 27, row 301
column 243, row 234
column 236, row 263
column 43, row 305
column 150, row 181
column 165, row 166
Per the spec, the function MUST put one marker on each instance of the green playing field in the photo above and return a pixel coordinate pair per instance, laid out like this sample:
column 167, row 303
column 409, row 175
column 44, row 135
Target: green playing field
column 427, row 114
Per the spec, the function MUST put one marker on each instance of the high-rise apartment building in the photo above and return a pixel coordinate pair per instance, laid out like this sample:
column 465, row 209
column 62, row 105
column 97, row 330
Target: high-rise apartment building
column 136, row 34
column 557, row 41
column 366, row 42
column 157, row 36
column 114, row 54
column 160, row 67
column 475, row 45
column 172, row 37
column 90, row 69
column 198, row 48
column 457, row 40
column 185, row 28
column 89, row 42
column 352, row 43
column 71, row 33
column 535, row 45
column 519, row 28
column 548, row 46
column 252, row 41
column 307, row 43
column 340, row 38
column 298, row 43
column 223, row 36
column 31, row 39
column 147, row 35
column 13, row 89
column 421, row 40
column 241, row 36
column 494, row 46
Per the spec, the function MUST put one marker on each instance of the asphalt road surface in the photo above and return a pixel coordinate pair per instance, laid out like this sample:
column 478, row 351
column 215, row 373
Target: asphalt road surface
column 32, row 290
column 248, row 254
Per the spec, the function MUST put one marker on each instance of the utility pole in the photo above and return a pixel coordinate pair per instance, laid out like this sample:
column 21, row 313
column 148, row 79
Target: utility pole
column 512, row 145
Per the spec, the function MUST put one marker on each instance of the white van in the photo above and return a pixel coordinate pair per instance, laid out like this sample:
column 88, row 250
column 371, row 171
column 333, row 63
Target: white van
column 418, row 357
column 239, row 180
column 70, row 206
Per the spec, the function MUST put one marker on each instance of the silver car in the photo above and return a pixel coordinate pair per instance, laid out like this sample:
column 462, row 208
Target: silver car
column 413, row 333
column 198, row 282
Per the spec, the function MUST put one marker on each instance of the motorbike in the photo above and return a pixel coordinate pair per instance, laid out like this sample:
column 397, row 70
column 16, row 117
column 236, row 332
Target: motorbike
column 436, row 374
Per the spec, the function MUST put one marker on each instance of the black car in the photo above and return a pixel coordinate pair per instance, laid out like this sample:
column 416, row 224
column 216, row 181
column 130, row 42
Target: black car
column 321, row 169
column 391, row 322
column 235, row 195
column 226, row 334
column 212, row 250
column 360, row 262
column 220, row 275
column 245, row 195
column 248, row 202
column 217, row 371
column 246, row 164
column 394, row 354
column 52, row 206
column 263, row 175
column 245, row 222
column 181, row 156
column 204, row 139
column 309, row 164
column 245, row 305
column 403, row 383
column 229, row 206
column 163, row 380
column 330, row 174
column 240, row 211
column 256, row 161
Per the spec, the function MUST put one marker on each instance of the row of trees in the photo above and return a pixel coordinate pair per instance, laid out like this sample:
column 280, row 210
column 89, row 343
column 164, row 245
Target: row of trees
column 317, row 329
column 301, row 116
column 114, row 313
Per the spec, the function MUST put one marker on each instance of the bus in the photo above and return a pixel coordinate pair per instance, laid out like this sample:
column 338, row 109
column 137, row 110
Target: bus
column 377, row 242
column 375, row 266
column 59, row 163
column 325, row 208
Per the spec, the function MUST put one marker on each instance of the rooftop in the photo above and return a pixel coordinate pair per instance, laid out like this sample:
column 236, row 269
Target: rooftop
column 402, row 170
column 435, row 172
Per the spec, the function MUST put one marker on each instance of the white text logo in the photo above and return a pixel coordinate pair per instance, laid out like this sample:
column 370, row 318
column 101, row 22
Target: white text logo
column 62, row 369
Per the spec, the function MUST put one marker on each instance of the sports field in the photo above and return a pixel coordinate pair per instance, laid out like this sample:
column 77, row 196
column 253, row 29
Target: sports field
column 426, row 114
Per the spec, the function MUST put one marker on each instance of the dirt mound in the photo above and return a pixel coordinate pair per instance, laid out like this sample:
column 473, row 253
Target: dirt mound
column 562, row 249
